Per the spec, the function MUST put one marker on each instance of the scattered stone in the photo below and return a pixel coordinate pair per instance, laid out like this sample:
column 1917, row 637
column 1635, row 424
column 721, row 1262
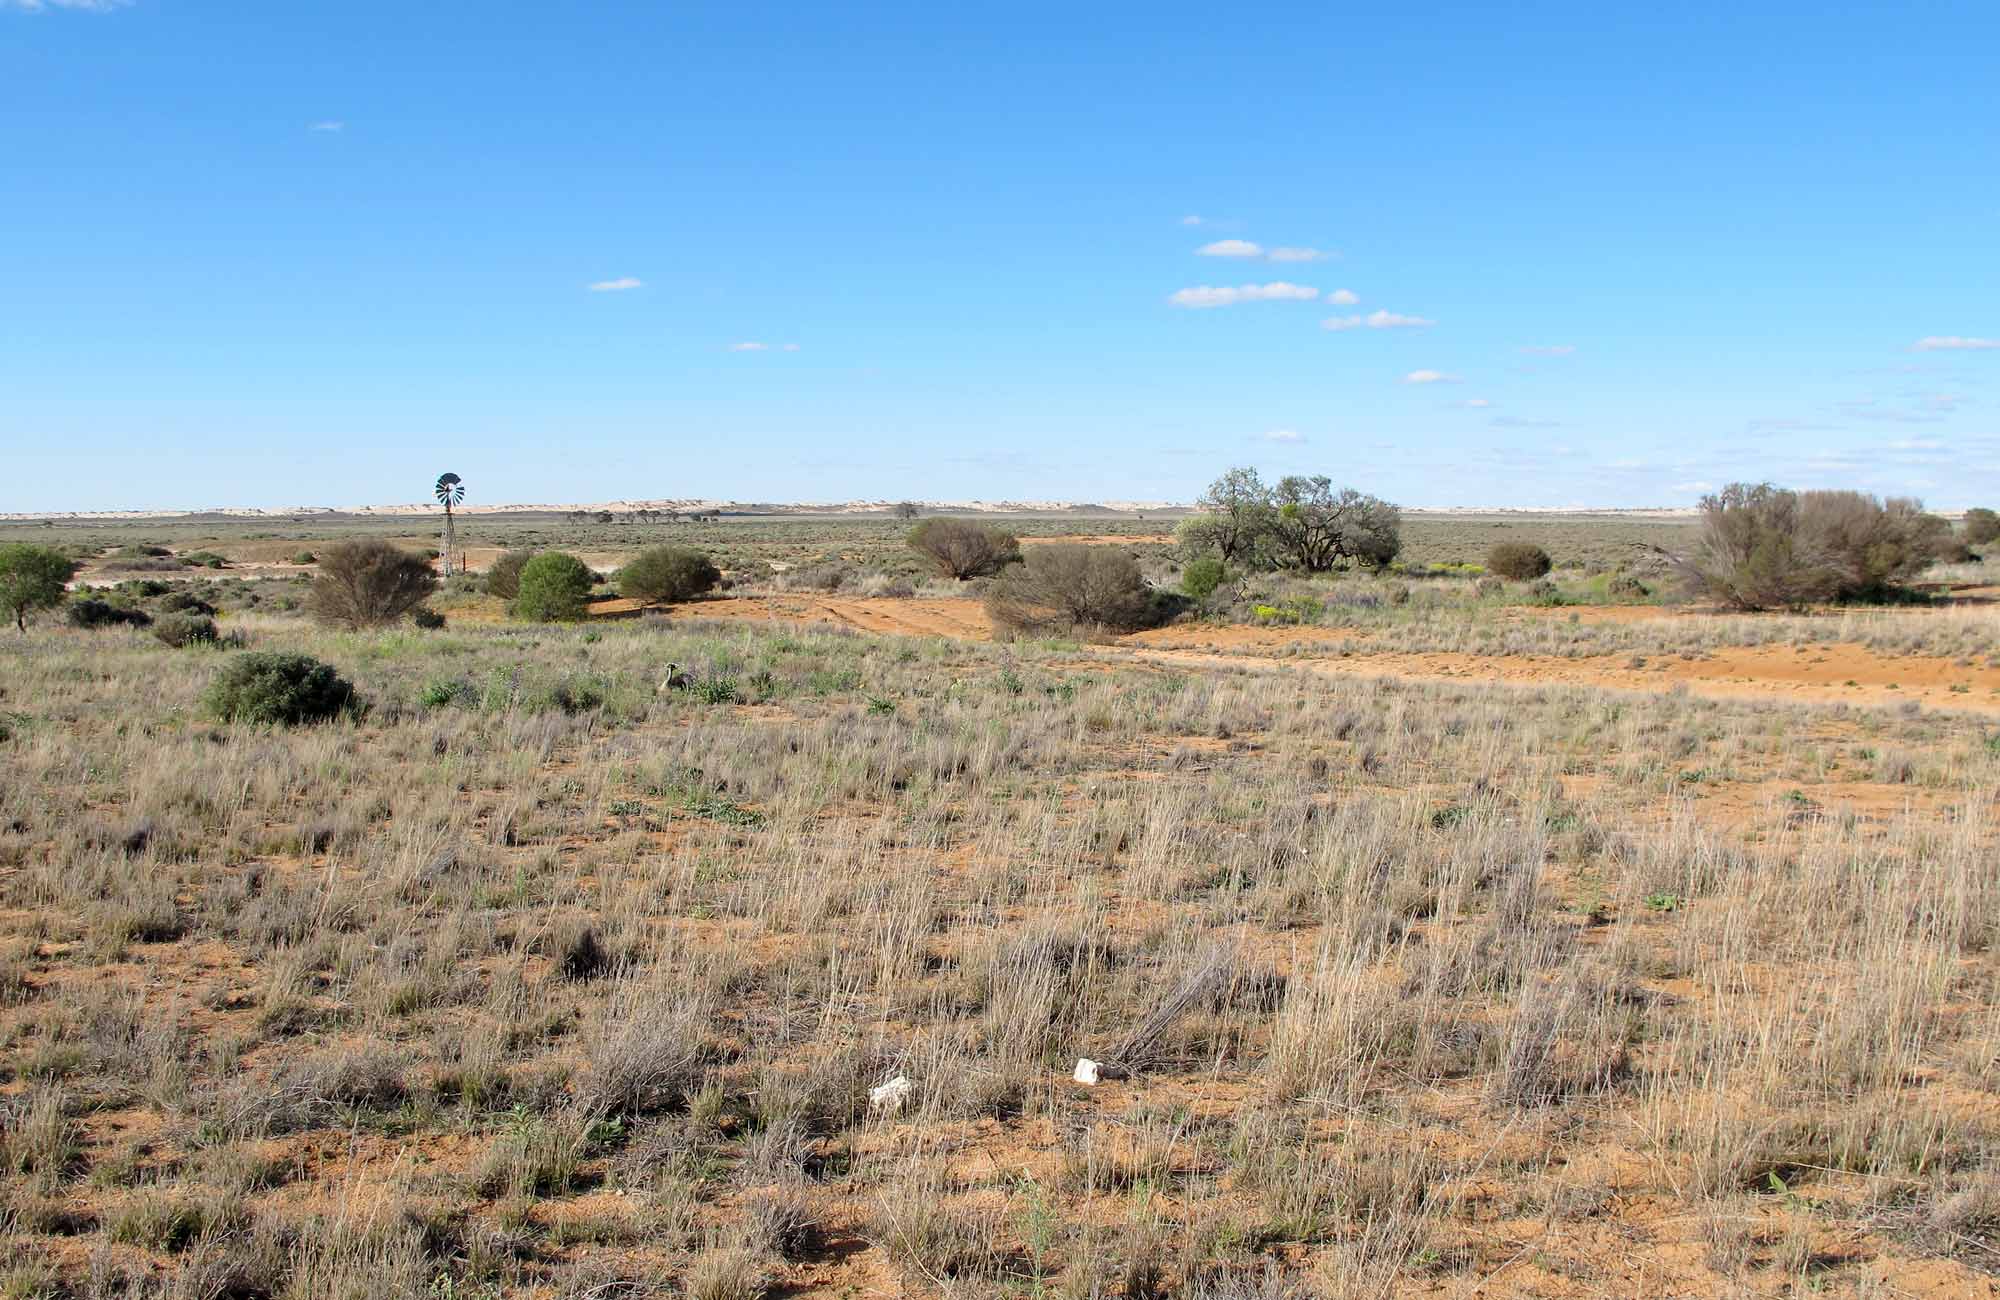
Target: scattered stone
column 891, row 1095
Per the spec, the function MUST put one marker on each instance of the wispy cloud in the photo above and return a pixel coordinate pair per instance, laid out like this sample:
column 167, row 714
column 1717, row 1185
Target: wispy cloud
column 1476, row 403
column 619, row 285
column 1343, row 297
column 88, row 6
column 1191, row 220
column 1429, row 377
column 1205, row 295
column 1521, row 422
column 763, row 347
column 1282, row 435
column 1375, row 320
column 1549, row 349
column 1954, row 343
column 1247, row 248
column 328, row 126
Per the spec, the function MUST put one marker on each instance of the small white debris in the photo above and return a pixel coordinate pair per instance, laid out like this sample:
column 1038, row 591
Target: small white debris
column 1088, row 1071
column 891, row 1095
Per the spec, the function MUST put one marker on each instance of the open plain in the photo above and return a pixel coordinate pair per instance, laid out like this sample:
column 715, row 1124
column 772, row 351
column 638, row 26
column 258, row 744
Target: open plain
column 1434, row 943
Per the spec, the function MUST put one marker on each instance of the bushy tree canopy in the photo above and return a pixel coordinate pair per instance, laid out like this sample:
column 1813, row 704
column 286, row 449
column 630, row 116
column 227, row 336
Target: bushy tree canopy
column 1300, row 522
column 31, row 578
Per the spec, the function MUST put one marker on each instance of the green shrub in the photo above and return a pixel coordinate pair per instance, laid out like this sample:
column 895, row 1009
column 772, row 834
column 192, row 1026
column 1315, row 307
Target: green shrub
column 1981, row 526
column 203, row 560
column 277, row 689
column 305, row 557
column 183, row 630
column 1518, row 561
column 503, row 578
column 555, row 588
column 662, row 574
column 442, row 691
column 1202, row 575
column 186, row 602
column 427, row 618
column 99, row 613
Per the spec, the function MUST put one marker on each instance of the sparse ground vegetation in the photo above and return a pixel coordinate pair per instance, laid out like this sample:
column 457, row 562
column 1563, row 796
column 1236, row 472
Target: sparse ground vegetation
column 1419, row 967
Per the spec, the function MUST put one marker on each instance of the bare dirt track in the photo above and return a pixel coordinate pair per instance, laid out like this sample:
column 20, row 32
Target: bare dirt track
column 1821, row 673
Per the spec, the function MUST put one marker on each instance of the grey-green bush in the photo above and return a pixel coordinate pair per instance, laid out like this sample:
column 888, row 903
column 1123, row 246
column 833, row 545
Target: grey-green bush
column 181, row 630
column 663, row 574
column 1518, row 561
column 503, row 578
column 277, row 689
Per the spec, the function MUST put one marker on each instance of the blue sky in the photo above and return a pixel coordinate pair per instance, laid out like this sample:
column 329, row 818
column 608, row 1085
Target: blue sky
column 263, row 254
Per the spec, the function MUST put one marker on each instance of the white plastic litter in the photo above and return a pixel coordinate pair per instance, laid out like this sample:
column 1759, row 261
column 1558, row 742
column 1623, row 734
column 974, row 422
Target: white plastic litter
column 891, row 1095
column 1088, row 1071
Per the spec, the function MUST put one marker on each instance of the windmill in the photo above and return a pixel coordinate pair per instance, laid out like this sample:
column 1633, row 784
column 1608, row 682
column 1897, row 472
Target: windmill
column 450, row 491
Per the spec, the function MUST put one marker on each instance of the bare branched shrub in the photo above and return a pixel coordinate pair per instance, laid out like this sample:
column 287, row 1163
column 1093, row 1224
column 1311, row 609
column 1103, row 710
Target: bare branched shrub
column 1069, row 587
column 368, row 583
column 1764, row 547
column 960, row 548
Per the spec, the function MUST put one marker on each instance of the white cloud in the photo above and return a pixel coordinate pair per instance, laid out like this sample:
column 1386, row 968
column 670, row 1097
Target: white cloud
column 1191, row 220
column 327, row 126
column 791, row 347
column 1549, row 349
column 1283, row 435
column 1343, row 297
column 1374, row 320
column 749, row 347
column 617, row 286
column 1230, row 248
column 1225, row 296
column 1476, row 403
column 1696, row 486
column 90, row 6
column 1429, row 377
column 1954, row 343
column 1298, row 255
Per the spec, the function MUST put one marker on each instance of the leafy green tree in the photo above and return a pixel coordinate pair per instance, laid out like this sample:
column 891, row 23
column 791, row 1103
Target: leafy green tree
column 1236, row 515
column 555, row 588
column 663, row 574
column 32, row 577
column 1317, row 529
column 1981, row 526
